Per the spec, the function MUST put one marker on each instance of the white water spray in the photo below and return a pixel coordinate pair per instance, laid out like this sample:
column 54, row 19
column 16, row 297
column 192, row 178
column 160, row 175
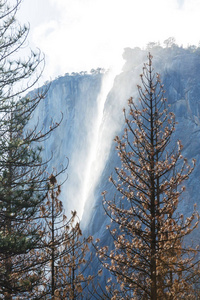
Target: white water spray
column 96, row 156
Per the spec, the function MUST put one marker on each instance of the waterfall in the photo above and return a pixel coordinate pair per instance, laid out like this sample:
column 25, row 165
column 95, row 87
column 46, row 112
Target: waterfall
column 84, row 136
column 96, row 154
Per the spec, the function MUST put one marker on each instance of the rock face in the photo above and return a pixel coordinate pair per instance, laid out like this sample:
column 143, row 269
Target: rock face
column 74, row 100
column 77, row 97
column 180, row 74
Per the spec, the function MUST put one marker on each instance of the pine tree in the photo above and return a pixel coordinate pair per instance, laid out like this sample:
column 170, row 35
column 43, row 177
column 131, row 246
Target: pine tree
column 150, row 259
column 23, row 176
column 65, row 249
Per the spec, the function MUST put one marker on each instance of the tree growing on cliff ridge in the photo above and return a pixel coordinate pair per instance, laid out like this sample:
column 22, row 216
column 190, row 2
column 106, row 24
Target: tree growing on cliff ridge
column 149, row 259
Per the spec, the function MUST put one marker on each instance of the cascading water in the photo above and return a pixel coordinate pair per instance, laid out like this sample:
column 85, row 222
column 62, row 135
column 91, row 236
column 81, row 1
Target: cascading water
column 96, row 154
column 83, row 136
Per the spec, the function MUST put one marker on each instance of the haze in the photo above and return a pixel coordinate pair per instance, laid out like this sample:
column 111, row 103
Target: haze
column 78, row 35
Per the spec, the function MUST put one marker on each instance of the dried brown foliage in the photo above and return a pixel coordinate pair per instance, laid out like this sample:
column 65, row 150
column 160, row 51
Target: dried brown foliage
column 149, row 259
column 65, row 251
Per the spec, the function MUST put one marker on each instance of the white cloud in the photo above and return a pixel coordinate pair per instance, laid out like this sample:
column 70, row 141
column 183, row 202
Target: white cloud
column 89, row 33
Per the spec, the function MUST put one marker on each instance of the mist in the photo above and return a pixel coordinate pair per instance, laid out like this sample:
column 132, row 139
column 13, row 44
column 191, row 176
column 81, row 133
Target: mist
column 80, row 35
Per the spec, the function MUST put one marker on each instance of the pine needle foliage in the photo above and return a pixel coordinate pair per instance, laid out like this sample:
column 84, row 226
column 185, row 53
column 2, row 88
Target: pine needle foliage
column 149, row 259
column 23, row 174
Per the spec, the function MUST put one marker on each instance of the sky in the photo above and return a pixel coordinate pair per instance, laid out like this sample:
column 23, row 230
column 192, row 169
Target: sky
column 78, row 35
